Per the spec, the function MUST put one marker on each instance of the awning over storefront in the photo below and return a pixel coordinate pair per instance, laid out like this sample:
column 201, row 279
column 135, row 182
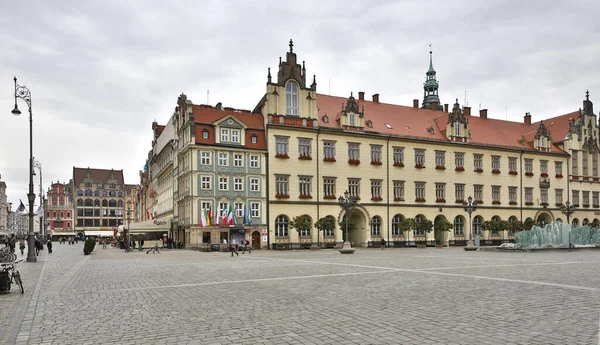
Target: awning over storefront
column 105, row 233
column 153, row 225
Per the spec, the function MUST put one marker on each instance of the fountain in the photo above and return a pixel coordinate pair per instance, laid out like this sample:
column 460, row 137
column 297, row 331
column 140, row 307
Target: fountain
column 556, row 235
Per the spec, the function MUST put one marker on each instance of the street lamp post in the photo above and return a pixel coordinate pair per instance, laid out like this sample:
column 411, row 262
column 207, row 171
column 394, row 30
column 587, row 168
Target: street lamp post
column 347, row 203
column 38, row 165
column 470, row 206
column 22, row 92
column 567, row 209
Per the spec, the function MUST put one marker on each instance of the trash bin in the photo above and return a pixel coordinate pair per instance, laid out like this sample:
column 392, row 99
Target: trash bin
column 4, row 282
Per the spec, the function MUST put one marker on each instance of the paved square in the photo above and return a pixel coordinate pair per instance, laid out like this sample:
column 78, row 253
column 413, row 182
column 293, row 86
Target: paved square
column 395, row 296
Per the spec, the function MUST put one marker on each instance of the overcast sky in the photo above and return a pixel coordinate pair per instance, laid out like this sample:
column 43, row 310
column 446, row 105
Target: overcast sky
column 101, row 71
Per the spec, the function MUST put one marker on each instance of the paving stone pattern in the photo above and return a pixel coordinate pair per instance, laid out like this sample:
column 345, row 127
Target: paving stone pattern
column 395, row 296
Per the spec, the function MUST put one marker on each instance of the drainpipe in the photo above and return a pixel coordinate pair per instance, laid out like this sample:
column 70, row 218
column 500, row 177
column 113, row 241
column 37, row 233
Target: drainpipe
column 267, row 199
column 521, row 184
column 318, row 184
column 387, row 163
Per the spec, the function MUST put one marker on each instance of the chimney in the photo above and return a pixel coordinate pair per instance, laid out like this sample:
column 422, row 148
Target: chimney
column 483, row 113
column 415, row 103
column 361, row 96
column 527, row 118
column 446, row 108
column 467, row 111
column 376, row 98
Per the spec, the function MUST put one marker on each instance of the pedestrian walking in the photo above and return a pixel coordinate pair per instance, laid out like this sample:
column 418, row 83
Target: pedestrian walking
column 37, row 244
column 49, row 244
column 22, row 245
column 103, row 243
column 154, row 249
column 234, row 249
column 382, row 243
column 247, row 247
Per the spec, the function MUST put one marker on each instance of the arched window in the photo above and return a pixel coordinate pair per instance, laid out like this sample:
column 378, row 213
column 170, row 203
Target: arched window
column 396, row 231
column 120, row 194
column 89, row 202
column 79, row 192
column 54, row 214
column 511, row 220
column 352, row 121
column 88, row 193
column 291, row 96
column 79, row 202
column 104, row 203
column 575, row 222
column 585, row 221
column 97, row 203
column 68, row 216
column 112, row 193
column 112, row 203
column 120, row 203
column 62, row 215
column 104, row 193
column 96, row 193
column 330, row 232
column 477, row 221
column 281, row 226
column 418, row 219
column 376, row 226
column 459, row 226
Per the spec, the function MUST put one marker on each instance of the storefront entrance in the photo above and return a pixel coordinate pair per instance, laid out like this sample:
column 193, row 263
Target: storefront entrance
column 256, row 240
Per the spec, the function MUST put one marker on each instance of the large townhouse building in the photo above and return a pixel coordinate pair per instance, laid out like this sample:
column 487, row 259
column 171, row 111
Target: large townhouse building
column 59, row 208
column 221, row 175
column 4, row 211
column 420, row 162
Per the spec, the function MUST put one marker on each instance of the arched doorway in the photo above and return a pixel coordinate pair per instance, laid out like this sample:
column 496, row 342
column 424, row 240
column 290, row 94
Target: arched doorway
column 439, row 234
column 256, row 240
column 357, row 235
column 543, row 218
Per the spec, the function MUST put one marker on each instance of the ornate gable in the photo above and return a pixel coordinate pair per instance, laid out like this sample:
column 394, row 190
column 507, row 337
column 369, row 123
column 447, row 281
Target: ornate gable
column 352, row 118
column 457, row 128
column 542, row 141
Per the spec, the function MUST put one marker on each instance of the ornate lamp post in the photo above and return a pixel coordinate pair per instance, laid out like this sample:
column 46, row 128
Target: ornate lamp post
column 22, row 92
column 470, row 206
column 38, row 165
column 347, row 203
column 567, row 209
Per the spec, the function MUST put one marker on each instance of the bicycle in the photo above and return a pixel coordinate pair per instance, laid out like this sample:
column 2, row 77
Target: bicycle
column 13, row 277
column 7, row 256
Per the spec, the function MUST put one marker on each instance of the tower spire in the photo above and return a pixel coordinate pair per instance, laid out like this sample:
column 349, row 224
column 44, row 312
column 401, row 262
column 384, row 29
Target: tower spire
column 431, row 99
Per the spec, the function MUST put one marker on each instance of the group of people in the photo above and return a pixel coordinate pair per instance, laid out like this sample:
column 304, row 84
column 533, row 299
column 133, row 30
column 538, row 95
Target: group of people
column 235, row 248
column 71, row 240
column 11, row 242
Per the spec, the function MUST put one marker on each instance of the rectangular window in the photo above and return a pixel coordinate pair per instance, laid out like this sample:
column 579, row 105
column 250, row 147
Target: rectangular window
column 586, row 198
column 255, row 209
column 529, row 195
column 440, row 159
column 595, row 164
column 237, row 160
column 206, row 185
column 478, row 193
column 223, row 183
column 281, row 185
column 235, row 135
column 254, row 184
column 496, row 194
column 459, row 160
column 223, row 158
column 329, row 187
column 206, row 205
column 512, row 164
column 558, row 168
column 224, row 208
column 237, row 184
column 584, row 163
column 420, row 158
column 544, row 196
column 376, row 190
column 529, row 165
column 354, row 187
column 440, row 192
column 420, row 191
column 254, row 161
column 281, row 146
column 459, row 192
column 575, row 197
column 329, row 150
column 398, row 155
column 575, row 162
column 558, row 196
column 512, row 195
column 353, row 152
column 224, row 134
column 595, row 199
column 496, row 163
column 375, row 153
column 205, row 158
column 239, row 209
column 304, row 147
column 478, row 162
column 544, row 167
column 398, row 190
column 305, row 186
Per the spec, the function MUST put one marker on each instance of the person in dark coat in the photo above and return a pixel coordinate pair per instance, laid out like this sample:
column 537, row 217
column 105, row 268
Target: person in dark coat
column 49, row 244
column 37, row 246
column 382, row 243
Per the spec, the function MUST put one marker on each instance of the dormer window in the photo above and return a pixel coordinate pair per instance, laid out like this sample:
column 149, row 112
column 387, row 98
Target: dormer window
column 291, row 95
column 224, row 134
column 235, row 136
column 254, row 139
column 457, row 128
column 205, row 134
column 351, row 116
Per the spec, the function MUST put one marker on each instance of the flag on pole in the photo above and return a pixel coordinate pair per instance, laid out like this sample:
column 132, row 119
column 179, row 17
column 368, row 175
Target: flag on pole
column 230, row 215
column 217, row 218
column 224, row 215
column 246, row 214
column 249, row 214
column 40, row 211
column 208, row 217
column 21, row 207
column 203, row 218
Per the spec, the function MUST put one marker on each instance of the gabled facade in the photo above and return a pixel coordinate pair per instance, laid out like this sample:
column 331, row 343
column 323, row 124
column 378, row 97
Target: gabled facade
column 221, row 180
column 59, row 208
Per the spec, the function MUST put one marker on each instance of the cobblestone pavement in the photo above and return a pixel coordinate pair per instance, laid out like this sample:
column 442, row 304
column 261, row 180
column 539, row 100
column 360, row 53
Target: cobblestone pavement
column 395, row 296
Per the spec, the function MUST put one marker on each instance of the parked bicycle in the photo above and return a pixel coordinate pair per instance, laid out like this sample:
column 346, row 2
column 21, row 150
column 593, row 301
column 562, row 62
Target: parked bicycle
column 6, row 255
column 9, row 275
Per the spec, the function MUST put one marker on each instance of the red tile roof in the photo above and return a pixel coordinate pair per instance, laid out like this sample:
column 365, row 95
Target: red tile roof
column 559, row 125
column 428, row 124
column 99, row 175
column 159, row 130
